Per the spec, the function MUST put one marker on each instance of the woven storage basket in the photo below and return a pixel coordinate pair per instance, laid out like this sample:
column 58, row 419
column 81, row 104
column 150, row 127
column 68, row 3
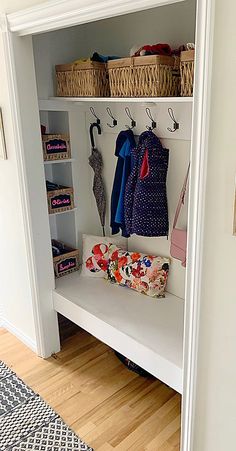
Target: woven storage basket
column 56, row 147
column 82, row 79
column 143, row 76
column 187, row 73
column 67, row 262
column 60, row 200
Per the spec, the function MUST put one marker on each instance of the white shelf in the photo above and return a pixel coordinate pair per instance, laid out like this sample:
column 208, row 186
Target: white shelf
column 62, row 103
column 62, row 212
column 123, row 99
column 69, row 160
column 146, row 330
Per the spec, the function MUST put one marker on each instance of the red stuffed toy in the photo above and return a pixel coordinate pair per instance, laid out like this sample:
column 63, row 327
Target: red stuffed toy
column 157, row 49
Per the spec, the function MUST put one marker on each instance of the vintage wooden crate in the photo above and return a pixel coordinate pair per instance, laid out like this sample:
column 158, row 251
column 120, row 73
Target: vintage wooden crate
column 144, row 76
column 56, row 147
column 60, row 200
column 67, row 262
column 82, row 79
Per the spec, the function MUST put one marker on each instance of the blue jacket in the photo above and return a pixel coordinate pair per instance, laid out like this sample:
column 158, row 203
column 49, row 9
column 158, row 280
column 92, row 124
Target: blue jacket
column 124, row 144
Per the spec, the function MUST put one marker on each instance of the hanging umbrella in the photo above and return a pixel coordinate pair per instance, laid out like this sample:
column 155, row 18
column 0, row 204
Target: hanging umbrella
column 96, row 163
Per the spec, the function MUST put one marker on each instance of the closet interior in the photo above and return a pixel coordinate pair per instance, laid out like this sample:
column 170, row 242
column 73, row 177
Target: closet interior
column 148, row 331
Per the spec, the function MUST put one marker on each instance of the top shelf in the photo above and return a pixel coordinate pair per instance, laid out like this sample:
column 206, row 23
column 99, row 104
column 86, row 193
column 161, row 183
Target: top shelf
column 124, row 99
column 61, row 103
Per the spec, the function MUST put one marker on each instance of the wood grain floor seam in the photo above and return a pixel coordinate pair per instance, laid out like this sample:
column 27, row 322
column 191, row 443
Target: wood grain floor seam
column 108, row 406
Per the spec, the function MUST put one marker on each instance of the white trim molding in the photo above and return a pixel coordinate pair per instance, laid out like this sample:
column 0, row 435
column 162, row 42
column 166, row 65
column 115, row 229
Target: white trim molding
column 3, row 23
column 18, row 140
column 199, row 156
column 9, row 61
column 57, row 14
column 18, row 334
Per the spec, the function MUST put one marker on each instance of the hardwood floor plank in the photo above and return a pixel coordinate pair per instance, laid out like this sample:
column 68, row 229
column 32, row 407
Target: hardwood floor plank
column 151, row 427
column 105, row 447
column 105, row 409
column 174, row 440
column 110, row 407
column 164, row 435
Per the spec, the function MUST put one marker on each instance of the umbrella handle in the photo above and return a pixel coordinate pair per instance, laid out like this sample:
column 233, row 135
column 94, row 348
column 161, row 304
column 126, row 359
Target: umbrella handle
column 92, row 126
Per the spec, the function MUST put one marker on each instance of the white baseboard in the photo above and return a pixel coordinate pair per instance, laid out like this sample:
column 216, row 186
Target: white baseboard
column 18, row 334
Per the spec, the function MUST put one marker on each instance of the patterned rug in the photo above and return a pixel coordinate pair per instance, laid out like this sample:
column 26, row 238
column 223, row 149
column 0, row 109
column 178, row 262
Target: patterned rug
column 28, row 423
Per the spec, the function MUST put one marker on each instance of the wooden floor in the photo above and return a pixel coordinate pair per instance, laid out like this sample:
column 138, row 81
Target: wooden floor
column 110, row 407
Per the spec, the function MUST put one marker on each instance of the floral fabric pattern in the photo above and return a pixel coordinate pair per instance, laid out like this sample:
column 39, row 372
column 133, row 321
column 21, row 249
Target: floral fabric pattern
column 95, row 254
column 144, row 273
column 98, row 261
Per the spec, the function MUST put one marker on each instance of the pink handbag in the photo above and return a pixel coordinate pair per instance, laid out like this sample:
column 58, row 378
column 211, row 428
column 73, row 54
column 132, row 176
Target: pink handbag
column 178, row 240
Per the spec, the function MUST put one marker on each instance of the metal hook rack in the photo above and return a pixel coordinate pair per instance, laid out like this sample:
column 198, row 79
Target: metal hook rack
column 175, row 123
column 94, row 114
column 114, row 121
column 153, row 124
column 133, row 122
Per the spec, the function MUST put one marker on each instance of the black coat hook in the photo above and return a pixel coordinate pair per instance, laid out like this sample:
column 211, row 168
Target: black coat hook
column 114, row 121
column 175, row 123
column 133, row 122
column 154, row 124
column 94, row 114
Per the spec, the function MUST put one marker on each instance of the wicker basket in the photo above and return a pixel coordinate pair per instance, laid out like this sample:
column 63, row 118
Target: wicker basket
column 56, row 147
column 66, row 262
column 60, row 200
column 187, row 73
column 143, row 76
column 83, row 79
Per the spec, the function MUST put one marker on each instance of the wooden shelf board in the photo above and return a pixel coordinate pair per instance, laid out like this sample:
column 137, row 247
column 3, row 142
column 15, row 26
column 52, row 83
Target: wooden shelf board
column 62, row 103
column 146, row 330
column 124, row 99
column 69, row 160
column 62, row 212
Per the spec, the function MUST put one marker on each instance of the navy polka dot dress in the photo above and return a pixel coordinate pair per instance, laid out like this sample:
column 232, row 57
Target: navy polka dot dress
column 146, row 208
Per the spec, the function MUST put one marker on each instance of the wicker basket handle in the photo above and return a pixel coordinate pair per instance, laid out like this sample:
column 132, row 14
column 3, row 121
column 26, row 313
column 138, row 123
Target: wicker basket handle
column 132, row 61
column 177, row 62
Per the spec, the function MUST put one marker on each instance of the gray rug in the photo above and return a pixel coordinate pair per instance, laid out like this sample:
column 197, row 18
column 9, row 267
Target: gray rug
column 28, row 423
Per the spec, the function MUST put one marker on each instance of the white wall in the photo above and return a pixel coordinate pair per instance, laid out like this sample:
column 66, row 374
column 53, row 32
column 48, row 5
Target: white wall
column 15, row 294
column 15, row 290
column 147, row 27
column 179, row 151
column 86, row 219
column 216, row 390
column 16, row 311
column 215, row 419
column 174, row 24
column 67, row 45
column 10, row 6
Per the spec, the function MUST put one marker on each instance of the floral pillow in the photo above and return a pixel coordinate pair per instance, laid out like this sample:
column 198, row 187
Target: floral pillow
column 144, row 273
column 95, row 253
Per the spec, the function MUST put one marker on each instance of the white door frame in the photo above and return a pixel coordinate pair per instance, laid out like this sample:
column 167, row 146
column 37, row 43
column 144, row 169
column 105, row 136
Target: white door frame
column 63, row 13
